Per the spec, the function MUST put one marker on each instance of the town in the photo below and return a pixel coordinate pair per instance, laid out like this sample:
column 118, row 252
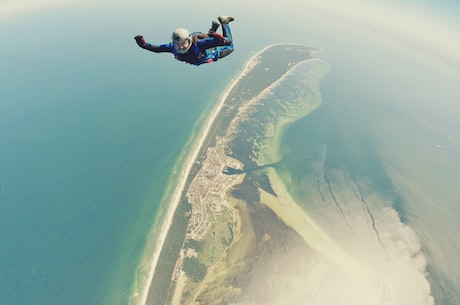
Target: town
column 207, row 195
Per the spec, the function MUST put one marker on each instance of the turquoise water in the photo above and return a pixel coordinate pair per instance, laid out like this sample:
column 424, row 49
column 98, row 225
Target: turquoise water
column 91, row 127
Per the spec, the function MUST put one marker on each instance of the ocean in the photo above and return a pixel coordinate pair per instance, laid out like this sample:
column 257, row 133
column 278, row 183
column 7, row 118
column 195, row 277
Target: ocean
column 91, row 128
column 386, row 126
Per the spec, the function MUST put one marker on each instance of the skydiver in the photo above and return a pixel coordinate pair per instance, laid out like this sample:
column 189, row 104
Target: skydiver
column 198, row 48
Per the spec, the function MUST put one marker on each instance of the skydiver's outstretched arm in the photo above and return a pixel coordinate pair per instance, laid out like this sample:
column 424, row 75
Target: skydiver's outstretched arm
column 151, row 47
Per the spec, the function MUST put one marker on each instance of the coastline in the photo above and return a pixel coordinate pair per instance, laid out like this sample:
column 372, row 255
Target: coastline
column 177, row 193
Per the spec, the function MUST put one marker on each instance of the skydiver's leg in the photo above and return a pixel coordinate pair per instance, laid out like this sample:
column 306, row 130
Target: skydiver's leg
column 214, row 26
column 227, row 33
column 225, row 20
column 217, row 40
column 226, row 50
column 221, row 45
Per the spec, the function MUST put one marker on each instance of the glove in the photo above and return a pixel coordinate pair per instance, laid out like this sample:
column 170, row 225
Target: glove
column 140, row 40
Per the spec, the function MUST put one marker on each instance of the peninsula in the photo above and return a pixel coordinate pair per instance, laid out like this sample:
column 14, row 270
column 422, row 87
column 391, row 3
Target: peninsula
column 218, row 226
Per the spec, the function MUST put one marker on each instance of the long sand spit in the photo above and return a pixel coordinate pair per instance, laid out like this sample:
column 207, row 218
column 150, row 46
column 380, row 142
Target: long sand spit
column 182, row 182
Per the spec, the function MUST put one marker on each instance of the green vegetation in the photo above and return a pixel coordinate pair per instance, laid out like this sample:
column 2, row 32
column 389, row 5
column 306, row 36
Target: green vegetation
column 227, row 241
column 159, row 292
column 244, row 142
column 210, row 249
column 195, row 270
column 194, row 244
column 218, row 239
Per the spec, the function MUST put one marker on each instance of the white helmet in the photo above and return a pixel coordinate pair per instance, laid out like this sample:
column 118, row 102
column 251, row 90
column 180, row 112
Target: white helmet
column 181, row 40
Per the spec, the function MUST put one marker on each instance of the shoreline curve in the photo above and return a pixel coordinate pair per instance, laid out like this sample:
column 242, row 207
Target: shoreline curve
column 183, row 179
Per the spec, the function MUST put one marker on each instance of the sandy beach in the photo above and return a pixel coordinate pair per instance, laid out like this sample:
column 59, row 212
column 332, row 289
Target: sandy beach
column 183, row 179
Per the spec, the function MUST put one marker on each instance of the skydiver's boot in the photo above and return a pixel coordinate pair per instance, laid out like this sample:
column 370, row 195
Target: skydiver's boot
column 225, row 20
column 215, row 25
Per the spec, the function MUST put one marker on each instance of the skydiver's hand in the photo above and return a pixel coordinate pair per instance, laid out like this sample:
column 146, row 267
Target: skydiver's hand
column 140, row 40
column 198, row 36
column 194, row 39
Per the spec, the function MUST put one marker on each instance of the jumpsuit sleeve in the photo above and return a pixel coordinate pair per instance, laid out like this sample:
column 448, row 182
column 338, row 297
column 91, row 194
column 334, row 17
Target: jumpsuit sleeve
column 162, row 48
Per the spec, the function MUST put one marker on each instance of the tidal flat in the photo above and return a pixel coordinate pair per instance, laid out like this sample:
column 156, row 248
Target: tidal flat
column 223, row 206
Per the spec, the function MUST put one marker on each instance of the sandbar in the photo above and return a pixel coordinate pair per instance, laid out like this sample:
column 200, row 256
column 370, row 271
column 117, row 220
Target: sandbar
column 177, row 194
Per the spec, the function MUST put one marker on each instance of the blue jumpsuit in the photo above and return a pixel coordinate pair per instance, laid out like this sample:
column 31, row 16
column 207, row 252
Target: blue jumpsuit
column 205, row 50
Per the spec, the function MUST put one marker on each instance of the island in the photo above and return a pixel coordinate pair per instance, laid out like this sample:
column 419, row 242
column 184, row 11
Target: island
column 229, row 221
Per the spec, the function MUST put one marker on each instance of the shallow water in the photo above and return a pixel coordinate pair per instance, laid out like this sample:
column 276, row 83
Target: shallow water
column 91, row 127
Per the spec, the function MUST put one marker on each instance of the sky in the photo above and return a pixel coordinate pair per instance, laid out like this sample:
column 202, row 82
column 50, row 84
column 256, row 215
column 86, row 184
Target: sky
column 421, row 22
